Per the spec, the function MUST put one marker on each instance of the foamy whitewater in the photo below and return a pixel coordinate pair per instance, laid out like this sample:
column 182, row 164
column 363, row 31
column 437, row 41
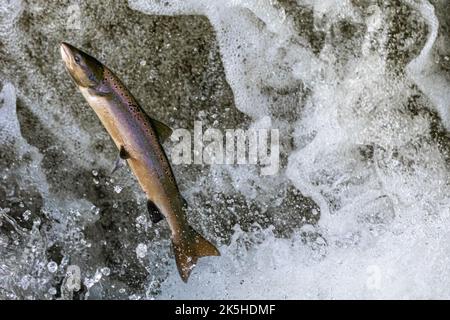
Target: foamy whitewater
column 369, row 132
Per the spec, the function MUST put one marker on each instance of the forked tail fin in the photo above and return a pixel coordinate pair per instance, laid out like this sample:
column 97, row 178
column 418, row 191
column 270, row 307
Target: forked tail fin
column 188, row 251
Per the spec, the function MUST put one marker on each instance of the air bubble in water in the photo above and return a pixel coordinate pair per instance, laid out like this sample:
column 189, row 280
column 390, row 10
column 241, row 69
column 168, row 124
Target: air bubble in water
column 118, row 189
column 88, row 282
column 106, row 271
column 142, row 220
column 98, row 276
column 26, row 215
column 95, row 210
column 141, row 250
column 52, row 266
column 25, row 282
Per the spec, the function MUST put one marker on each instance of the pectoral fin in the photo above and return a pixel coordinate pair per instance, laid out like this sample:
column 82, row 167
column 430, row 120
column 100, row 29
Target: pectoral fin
column 120, row 161
column 123, row 154
column 162, row 130
column 155, row 214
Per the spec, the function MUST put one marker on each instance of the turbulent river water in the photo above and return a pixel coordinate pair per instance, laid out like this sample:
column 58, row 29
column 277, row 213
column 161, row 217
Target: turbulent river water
column 358, row 89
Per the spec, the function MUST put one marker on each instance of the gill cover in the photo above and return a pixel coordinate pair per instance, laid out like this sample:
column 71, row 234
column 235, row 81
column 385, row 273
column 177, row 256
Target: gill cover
column 84, row 69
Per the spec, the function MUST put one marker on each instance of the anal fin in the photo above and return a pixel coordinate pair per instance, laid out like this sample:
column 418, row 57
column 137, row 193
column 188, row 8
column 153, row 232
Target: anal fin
column 155, row 214
column 185, row 203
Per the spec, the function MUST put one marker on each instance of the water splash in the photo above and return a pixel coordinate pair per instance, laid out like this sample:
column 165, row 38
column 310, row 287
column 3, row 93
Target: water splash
column 364, row 147
column 361, row 105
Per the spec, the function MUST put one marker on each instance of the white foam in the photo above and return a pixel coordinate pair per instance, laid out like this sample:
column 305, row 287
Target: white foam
column 25, row 259
column 424, row 70
column 383, row 219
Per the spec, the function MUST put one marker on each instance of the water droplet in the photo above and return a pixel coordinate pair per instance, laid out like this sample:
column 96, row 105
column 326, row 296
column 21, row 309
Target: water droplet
column 25, row 282
column 106, row 271
column 52, row 266
column 26, row 215
column 52, row 291
column 89, row 282
column 94, row 173
column 118, row 189
column 95, row 210
column 141, row 250
column 142, row 219
column 98, row 276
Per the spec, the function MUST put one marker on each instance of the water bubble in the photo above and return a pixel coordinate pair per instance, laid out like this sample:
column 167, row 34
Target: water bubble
column 88, row 282
column 25, row 282
column 143, row 62
column 52, row 266
column 94, row 173
column 73, row 278
column 37, row 222
column 26, row 215
column 52, row 291
column 142, row 220
column 96, row 181
column 98, row 276
column 95, row 210
column 106, row 271
column 141, row 250
column 118, row 189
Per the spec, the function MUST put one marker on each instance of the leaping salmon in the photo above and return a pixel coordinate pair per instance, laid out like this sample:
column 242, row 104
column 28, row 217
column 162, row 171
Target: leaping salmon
column 138, row 138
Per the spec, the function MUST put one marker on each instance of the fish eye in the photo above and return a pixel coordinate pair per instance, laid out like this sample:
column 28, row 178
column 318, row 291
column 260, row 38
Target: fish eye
column 77, row 59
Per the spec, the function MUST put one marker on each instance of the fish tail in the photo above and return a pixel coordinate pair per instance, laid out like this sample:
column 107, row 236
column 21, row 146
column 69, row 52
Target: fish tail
column 188, row 251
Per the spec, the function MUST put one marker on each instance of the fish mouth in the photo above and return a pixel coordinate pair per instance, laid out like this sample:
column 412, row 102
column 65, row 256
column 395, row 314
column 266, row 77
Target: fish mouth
column 66, row 52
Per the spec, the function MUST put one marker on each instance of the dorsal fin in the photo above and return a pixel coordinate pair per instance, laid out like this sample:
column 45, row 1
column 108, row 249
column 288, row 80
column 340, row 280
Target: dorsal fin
column 162, row 130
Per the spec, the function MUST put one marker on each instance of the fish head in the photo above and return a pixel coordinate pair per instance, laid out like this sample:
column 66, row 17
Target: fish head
column 85, row 70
